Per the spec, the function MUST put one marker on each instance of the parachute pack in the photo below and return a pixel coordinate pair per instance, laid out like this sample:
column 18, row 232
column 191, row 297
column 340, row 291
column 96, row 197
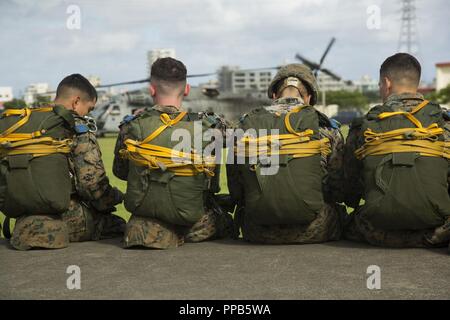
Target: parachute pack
column 294, row 194
column 164, row 183
column 405, row 159
column 34, row 168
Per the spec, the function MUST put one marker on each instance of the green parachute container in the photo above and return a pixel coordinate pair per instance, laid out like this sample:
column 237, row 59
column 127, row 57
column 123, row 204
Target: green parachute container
column 161, row 194
column 35, row 178
column 294, row 194
column 405, row 190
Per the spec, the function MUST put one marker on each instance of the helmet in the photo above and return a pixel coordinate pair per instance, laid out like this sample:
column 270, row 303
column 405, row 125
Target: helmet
column 295, row 70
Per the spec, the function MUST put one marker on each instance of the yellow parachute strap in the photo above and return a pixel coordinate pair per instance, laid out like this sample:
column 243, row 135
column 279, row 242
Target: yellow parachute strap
column 296, row 144
column 168, row 122
column 287, row 121
column 421, row 140
column 156, row 157
column 297, row 147
column 409, row 115
column 25, row 114
column 37, row 147
column 423, row 147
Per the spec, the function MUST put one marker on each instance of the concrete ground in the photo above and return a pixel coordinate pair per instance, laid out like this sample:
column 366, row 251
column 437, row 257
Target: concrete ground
column 225, row 270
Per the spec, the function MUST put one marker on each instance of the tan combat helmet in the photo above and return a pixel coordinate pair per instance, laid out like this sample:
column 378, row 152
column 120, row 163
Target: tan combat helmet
column 288, row 74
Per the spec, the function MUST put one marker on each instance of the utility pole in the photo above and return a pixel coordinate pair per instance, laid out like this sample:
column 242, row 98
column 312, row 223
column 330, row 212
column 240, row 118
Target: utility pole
column 408, row 41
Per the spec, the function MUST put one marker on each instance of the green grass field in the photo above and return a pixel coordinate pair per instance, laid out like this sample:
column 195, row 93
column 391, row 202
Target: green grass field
column 107, row 146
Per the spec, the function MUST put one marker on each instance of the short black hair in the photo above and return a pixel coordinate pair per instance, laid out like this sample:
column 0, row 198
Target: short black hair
column 168, row 69
column 169, row 76
column 402, row 68
column 78, row 82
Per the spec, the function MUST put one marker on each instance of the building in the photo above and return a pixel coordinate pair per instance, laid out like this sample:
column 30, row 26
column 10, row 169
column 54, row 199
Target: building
column 37, row 89
column 366, row 84
column 328, row 83
column 232, row 79
column 442, row 75
column 6, row 94
column 155, row 54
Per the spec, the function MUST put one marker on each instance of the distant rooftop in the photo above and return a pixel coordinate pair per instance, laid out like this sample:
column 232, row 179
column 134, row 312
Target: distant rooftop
column 442, row 64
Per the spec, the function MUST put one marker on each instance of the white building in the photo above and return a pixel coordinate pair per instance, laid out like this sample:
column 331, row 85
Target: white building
column 231, row 79
column 366, row 84
column 155, row 54
column 35, row 89
column 442, row 75
column 328, row 83
column 6, row 94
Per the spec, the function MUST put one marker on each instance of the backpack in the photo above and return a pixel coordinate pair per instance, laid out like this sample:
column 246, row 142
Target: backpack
column 294, row 194
column 405, row 168
column 158, row 187
column 34, row 168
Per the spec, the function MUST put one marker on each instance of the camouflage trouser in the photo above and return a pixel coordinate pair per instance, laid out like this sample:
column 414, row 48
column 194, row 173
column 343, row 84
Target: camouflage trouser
column 360, row 230
column 153, row 233
column 79, row 223
column 326, row 227
column 86, row 224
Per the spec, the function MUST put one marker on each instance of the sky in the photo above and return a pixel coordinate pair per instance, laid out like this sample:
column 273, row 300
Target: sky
column 114, row 36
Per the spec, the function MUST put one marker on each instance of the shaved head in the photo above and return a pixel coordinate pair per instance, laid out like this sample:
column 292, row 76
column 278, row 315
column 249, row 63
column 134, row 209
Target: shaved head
column 402, row 69
column 168, row 75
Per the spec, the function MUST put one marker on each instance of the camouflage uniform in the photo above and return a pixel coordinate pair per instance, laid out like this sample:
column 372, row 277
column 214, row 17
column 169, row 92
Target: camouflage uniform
column 359, row 229
column 92, row 201
column 153, row 233
column 327, row 225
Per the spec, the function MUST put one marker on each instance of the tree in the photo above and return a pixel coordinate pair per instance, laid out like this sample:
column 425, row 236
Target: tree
column 15, row 104
column 442, row 97
column 347, row 99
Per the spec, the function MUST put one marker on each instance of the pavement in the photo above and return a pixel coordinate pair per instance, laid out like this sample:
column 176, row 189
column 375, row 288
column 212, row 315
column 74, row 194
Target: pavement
column 225, row 269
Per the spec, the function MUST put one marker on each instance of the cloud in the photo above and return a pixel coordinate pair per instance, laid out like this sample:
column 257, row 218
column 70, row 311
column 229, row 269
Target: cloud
column 115, row 35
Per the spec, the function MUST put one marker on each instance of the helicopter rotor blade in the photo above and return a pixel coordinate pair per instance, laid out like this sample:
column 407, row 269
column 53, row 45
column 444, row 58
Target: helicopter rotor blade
column 309, row 63
column 331, row 74
column 200, row 75
column 123, row 83
column 333, row 40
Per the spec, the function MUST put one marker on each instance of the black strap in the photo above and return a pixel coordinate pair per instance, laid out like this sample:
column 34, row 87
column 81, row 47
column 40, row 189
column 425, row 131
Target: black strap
column 6, row 228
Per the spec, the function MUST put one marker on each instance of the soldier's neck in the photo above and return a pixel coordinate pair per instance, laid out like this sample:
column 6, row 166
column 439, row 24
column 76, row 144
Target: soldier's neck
column 169, row 101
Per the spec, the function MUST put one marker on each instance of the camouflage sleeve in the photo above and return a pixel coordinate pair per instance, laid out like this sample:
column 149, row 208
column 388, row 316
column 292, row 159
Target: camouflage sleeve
column 92, row 184
column 353, row 183
column 120, row 165
column 333, row 183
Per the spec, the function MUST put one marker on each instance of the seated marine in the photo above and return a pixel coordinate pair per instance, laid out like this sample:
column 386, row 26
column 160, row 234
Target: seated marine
column 170, row 192
column 397, row 159
column 52, row 178
column 291, row 193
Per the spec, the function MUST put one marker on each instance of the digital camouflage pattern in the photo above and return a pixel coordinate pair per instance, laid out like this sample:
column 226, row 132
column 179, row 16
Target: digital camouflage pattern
column 93, row 199
column 357, row 228
column 49, row 232
column 327, row 225
column 156, row 234
column 153, row 233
